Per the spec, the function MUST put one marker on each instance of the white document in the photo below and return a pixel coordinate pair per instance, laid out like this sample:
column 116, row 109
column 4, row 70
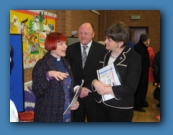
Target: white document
column 75, row 98
column 108, row 75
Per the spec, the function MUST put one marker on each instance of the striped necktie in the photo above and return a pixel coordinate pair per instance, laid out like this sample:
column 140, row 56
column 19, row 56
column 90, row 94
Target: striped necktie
column 84, row 55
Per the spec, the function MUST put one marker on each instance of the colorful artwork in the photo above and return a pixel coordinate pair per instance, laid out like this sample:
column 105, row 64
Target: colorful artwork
column 34, row 26
column 42, row 36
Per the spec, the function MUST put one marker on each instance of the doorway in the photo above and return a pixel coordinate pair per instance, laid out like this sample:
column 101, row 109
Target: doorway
column 135, row 33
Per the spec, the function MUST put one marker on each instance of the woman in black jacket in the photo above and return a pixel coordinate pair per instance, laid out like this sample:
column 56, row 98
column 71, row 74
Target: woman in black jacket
column 128, row 65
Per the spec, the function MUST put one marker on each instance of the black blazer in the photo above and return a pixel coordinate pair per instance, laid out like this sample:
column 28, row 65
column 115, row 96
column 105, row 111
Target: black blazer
column 156, row 67
column 88, row 74
column 128, row 66
column 141, row 48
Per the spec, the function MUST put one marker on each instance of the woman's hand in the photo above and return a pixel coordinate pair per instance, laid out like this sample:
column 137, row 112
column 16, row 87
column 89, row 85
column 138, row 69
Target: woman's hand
column 76, row 105
column 157, row 85
column 102, row 88
column 58, row 75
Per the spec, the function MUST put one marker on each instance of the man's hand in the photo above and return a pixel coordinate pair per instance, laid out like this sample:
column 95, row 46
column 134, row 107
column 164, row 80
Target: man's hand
column 84, row 92
column 76, row 105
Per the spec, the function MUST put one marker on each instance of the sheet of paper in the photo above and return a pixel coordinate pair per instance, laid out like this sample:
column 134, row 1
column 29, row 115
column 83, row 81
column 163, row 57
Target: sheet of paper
column 75, row 98
column 108, row 75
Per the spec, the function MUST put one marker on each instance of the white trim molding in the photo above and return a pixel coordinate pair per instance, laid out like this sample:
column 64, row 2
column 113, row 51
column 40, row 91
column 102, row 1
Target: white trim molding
column 96, row 12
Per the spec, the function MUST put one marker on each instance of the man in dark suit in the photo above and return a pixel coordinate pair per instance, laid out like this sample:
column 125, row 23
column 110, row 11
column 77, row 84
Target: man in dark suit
column 140, row 95
column 156, row 75
column 85, row 70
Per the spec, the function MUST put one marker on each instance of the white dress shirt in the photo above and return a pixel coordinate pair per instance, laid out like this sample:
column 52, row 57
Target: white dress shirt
column 112, row 59
column 87, row 51
column 88, row 48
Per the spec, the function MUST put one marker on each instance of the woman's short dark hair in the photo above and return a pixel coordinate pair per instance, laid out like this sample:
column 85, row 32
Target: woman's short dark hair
column 52, row 39
column 118, row 32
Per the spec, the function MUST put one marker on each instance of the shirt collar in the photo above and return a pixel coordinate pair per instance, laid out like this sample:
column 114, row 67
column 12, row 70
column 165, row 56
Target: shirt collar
column 55, row 59
column 89, row 44
column 114, row 57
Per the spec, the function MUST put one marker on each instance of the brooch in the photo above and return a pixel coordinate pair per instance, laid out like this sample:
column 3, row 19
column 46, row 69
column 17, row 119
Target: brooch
column 121, row 58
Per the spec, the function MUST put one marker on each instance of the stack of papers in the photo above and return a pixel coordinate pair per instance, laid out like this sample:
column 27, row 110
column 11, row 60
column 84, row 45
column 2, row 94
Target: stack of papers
column 75, row 98
column 108, row 75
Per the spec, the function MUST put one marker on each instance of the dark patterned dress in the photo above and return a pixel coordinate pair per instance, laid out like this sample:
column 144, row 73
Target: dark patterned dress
column 66, row 85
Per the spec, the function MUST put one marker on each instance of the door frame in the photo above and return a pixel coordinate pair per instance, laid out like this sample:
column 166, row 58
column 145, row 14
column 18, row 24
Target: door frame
column 137, row 28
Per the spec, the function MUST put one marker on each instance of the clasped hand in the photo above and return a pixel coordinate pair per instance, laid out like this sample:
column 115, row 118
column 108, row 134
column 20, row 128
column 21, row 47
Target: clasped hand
column 102, row 88
column 84, row 91
column 157, row 85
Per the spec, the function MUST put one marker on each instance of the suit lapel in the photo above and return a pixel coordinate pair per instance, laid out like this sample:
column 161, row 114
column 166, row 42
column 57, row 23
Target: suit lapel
column 78, row 54
column 122, row 57
column 107, row 58
column 119, row 59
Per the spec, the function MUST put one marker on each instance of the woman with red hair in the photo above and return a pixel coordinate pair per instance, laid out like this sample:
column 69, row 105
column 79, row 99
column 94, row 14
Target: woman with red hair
column 53, row 82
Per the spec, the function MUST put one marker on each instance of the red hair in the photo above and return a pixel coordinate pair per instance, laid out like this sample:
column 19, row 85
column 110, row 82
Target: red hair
column 52, row 39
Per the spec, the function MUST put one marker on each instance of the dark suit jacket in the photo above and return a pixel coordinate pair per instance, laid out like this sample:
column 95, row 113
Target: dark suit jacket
column 128, row 67
column 156, row 67
column 88, row 74
column 49, row 105
column 141, row 48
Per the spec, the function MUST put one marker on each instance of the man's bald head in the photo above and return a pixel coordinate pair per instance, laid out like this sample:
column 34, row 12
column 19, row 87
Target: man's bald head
column 86, row 33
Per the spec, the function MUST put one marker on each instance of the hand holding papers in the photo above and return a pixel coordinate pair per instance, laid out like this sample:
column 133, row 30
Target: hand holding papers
column 84, row 92
column 108, row 75
column 75, row 98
